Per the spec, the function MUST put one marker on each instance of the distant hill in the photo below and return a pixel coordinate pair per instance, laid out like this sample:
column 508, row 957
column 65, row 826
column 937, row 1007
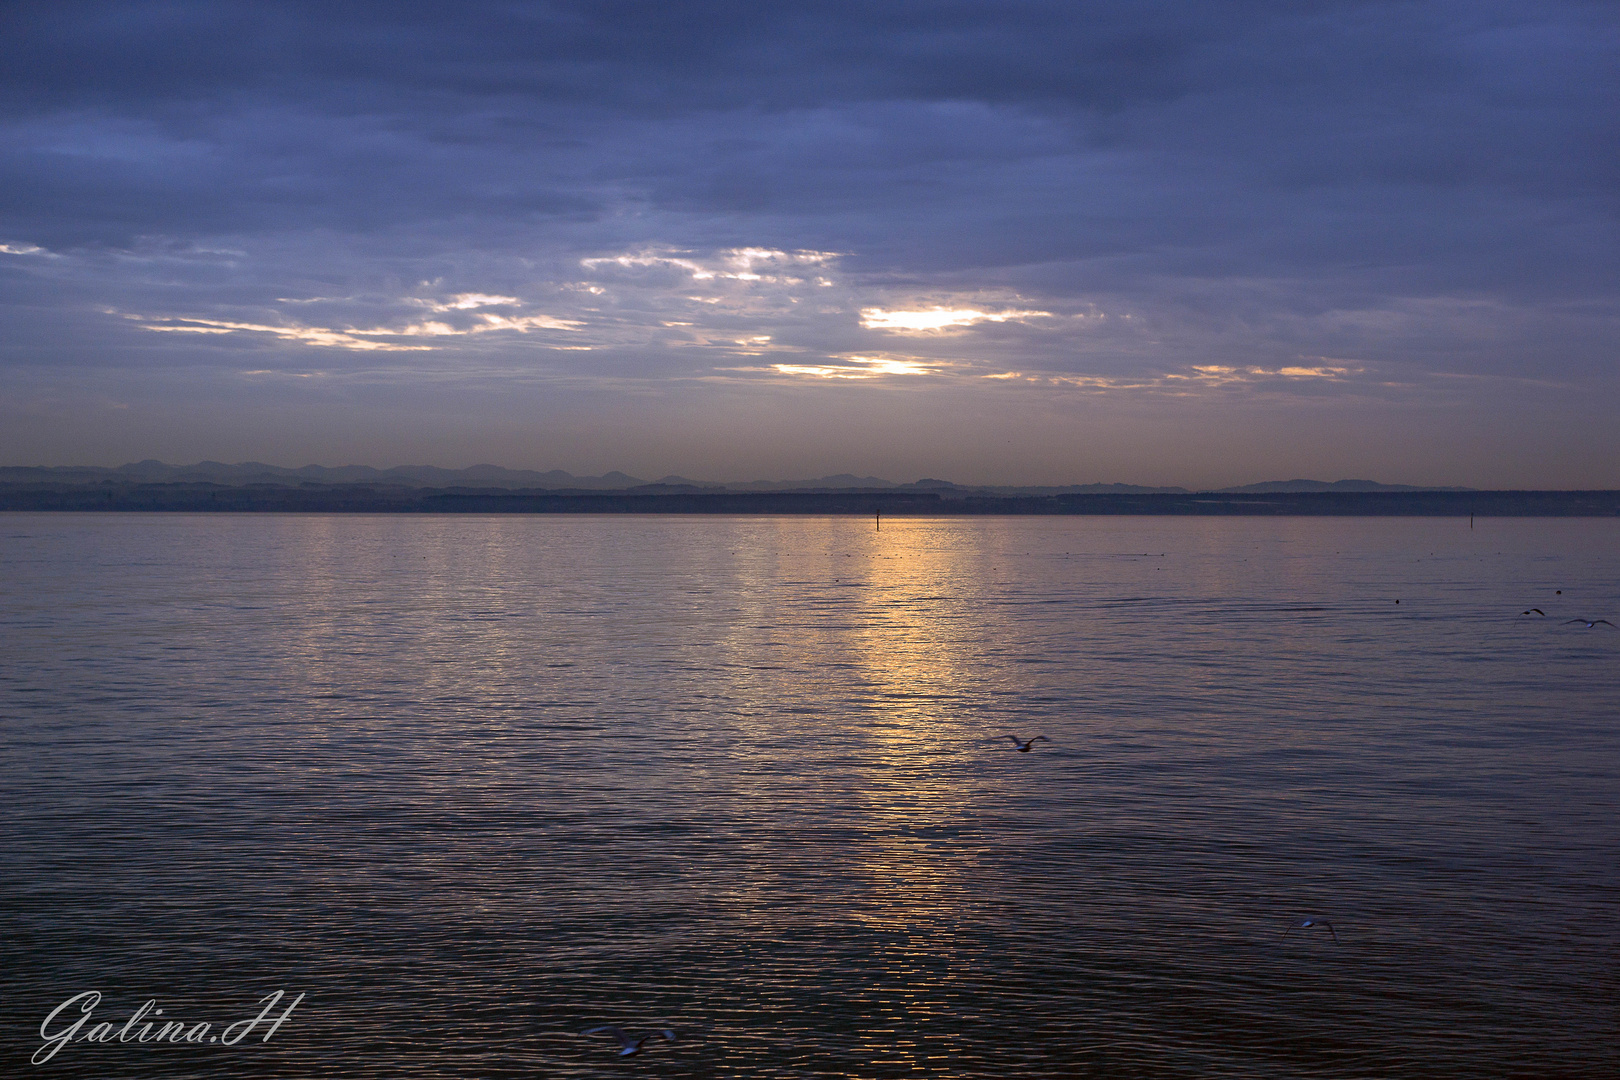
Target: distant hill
column 840, row 482
column 1270, row 486
column 1066, row 489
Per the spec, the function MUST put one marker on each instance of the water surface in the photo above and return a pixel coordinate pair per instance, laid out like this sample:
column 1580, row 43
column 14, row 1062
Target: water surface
column 475, row 784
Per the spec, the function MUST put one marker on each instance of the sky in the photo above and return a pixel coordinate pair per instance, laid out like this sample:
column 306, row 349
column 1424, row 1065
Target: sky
column 1149, row 241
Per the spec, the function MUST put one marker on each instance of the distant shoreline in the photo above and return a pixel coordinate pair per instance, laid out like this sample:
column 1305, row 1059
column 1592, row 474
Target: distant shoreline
column 378, row 499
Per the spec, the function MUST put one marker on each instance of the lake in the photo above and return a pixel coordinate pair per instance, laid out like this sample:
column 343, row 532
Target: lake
column 472, row 785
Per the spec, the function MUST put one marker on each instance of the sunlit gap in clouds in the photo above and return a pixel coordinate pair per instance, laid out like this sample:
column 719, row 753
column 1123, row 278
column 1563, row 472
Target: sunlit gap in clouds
column 939, row 318
column 1216, row 373
column 861, row 367
column 306, row 335
column 1193, row 379
column 738, row 264
column 350, row 337
column 467, row 301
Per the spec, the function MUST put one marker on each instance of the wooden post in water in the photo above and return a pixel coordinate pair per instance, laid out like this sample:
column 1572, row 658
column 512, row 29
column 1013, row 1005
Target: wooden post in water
column 879, row 520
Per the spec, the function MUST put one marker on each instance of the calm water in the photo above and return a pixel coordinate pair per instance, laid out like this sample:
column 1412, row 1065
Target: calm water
column 475, row 784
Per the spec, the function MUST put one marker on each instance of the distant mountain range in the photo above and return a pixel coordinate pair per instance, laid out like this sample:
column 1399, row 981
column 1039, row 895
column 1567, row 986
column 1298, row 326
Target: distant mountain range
column 493, row 476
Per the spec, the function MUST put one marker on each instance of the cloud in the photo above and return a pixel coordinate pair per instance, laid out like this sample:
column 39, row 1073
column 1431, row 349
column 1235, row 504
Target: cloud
column 860, row 367
column 468, row 301
column 935, row 319
column 304, row 335
column 735, row 264
column 475, row 322
column 524, row 323
column 1221, row 374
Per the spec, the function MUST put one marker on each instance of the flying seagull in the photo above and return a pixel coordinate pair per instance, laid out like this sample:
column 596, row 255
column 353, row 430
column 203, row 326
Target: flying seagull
column 1591, row 622
column 1308, row 923
column 630, row 1045
column 1024, row 744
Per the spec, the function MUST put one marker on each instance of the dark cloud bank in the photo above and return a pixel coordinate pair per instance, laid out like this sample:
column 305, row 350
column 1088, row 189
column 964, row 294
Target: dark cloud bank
column 1036, row 243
